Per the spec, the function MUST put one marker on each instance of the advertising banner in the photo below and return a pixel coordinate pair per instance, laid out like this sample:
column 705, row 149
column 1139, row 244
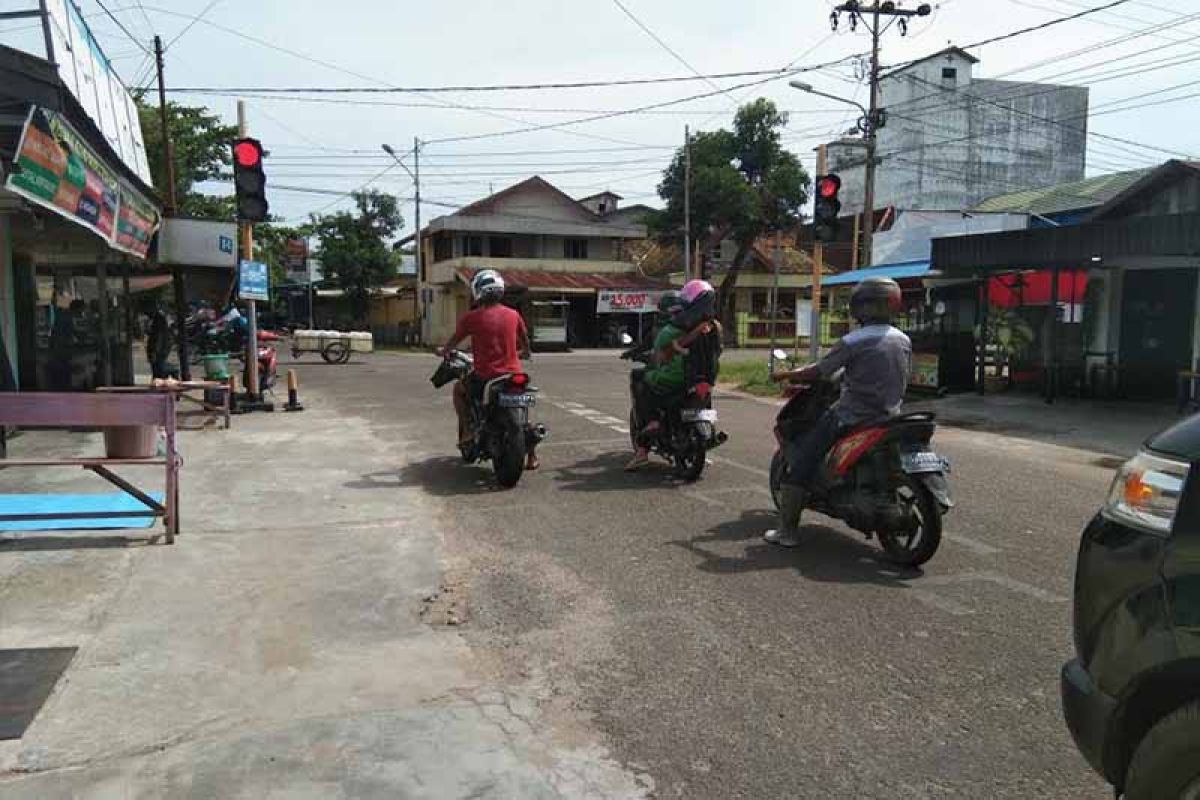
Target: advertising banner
column 56, row 169
column 627, row 301
column 295, row 259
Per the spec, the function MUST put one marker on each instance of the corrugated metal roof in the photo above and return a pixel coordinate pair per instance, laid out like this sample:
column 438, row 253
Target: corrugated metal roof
column 897, row 271
column 536, row 279
column 1087, row 193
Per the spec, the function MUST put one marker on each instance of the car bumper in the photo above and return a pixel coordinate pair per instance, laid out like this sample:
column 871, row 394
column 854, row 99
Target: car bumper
column 1088, row 712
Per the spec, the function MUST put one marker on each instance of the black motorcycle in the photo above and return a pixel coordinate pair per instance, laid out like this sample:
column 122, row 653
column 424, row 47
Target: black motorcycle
column 499, row 421
column 882, row 480
column 688, row 425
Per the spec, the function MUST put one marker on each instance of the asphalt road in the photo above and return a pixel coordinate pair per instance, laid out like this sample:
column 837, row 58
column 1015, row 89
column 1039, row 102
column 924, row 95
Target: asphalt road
column 721, row 667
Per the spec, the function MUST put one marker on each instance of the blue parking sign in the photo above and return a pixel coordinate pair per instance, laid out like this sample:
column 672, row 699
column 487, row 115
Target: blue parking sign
column 253, row 281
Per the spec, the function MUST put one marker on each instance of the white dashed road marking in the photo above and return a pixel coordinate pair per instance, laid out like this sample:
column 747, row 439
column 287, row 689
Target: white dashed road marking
column 591, row 415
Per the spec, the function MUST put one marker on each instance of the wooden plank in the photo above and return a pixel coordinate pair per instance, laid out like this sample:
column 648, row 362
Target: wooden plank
column 80, row 409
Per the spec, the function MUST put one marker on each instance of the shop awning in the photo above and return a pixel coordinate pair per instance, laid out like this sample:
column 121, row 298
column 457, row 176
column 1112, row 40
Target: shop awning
column 571, row 282
column 897, row 271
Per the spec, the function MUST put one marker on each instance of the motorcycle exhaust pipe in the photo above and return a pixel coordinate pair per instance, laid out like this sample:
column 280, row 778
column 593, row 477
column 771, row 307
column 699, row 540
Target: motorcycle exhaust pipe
column 534, row 434
column 718, row 439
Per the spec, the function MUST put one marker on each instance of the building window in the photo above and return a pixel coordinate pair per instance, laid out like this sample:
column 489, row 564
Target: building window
column 500, row 246
column 443, row 248
column 575, row 248
column 472, row 246
column 760, row 303
column 950, row 74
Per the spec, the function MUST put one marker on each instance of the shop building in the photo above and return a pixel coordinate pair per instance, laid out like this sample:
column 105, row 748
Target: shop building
column 77, row 212
column 568, row 264
column 1103, row 296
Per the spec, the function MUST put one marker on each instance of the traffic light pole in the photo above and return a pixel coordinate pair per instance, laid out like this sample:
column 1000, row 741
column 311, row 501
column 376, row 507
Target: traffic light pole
column 814, row 330
column 246, row 233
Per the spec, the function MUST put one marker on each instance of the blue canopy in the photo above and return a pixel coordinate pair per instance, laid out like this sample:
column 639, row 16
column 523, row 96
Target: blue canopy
column 902, row 269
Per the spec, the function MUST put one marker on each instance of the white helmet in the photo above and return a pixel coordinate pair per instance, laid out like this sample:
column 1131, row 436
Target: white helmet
column 487, row 283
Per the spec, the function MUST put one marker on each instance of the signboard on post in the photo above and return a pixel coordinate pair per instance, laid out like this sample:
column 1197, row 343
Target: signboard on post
column 197, row 243
column 295, row 259
column 628, row 301
column 254, row 281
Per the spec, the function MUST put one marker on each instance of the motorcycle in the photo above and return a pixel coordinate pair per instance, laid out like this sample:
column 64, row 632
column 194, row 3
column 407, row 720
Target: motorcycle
column 882, row 480
column 499, row 421
column 688, row 428
column 268, row 362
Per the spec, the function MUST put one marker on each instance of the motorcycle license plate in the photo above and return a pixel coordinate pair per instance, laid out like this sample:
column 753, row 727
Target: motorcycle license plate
column 698, row 415
column 516, row 400
column 923, row 461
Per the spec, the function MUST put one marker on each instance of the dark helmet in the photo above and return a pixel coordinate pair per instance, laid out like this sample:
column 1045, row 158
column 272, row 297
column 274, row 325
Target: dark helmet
column 875, row 300
column 669, row 303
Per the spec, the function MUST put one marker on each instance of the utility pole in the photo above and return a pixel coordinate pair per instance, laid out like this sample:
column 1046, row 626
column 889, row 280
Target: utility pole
column 857, row 12
column 420, row 261
column 687, row 203
column 775, row 259
column 177, row 278
column 814, row 325
column 246, row 233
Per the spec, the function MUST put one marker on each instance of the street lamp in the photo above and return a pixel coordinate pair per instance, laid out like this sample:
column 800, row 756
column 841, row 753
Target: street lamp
column 415, row 174
column 868, row 126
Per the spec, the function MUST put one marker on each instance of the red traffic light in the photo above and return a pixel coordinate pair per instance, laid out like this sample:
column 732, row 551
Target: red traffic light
column 827, row 186
column 247, row 153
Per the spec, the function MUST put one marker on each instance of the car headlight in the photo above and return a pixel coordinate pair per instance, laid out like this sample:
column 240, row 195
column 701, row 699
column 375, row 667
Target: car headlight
column 1146, row 493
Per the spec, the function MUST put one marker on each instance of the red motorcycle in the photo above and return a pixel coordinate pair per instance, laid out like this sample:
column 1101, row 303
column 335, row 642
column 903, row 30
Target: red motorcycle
column 883, row 480
column 268, row 362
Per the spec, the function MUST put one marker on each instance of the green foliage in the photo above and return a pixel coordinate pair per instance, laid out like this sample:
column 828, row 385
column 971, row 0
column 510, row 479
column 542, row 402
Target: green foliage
column 354, row 249
column 744, row 184
column 201, row 149
column 750, row 376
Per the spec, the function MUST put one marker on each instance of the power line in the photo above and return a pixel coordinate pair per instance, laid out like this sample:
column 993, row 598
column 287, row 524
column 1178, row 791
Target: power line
column 510, row 87
column 665, row 46
column 190, row 25
column 125, row 30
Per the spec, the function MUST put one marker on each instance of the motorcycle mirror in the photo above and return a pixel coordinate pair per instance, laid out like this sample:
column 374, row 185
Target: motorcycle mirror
column 780, row 354
column 626, row 338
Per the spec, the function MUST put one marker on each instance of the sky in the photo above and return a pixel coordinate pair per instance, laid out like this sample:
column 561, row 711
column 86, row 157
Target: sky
column 336, row 146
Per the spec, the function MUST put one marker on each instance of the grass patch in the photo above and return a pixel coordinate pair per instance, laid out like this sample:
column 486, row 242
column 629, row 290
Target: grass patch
column 749, row 376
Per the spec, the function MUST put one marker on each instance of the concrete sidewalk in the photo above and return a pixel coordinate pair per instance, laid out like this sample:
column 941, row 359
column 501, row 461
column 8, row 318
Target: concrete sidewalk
column 298, row 640
column 1117, row 428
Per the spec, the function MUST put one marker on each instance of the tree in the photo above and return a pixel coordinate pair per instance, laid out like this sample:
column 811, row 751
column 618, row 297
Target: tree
column 201, row 149
column 354, row 248
column 744, row 184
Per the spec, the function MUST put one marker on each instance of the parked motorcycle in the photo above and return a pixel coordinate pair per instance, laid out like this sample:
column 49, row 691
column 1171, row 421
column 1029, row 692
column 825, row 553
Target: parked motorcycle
column 883, row 480
column 499, row 421
column 268, row 362
column 688, row 428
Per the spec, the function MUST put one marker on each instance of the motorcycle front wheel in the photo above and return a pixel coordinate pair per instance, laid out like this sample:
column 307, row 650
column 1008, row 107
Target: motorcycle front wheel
column 916, row 543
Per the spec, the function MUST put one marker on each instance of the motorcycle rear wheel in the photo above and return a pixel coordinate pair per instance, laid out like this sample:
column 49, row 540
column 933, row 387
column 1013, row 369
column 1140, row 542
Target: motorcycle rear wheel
column 914, row 547
column 509, row 458
column 690, row 462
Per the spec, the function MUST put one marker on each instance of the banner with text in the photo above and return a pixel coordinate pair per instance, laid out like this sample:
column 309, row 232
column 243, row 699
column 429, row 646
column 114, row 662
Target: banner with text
column 628, row 301
column 57, row 169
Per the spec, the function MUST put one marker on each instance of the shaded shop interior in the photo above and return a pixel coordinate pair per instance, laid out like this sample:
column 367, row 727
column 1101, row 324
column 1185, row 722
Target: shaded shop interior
column 1105, row 308
column 576, row 309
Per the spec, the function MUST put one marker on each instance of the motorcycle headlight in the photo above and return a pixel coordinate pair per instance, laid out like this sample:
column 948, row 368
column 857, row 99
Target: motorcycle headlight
column 1146, row 492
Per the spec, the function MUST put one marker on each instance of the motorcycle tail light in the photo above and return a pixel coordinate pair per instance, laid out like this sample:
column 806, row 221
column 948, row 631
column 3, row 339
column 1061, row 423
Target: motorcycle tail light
column 703, row 390
column 518, row 382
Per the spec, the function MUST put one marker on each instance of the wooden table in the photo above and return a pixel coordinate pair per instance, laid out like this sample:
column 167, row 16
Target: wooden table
column 100, row 410
column 195, row 392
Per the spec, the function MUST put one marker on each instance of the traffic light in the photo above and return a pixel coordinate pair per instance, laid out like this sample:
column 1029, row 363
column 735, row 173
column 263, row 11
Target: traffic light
column 826, row 208
column 249, row 180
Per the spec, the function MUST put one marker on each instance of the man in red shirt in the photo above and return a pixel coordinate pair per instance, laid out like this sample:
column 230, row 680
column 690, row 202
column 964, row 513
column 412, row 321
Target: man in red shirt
column 499, row 340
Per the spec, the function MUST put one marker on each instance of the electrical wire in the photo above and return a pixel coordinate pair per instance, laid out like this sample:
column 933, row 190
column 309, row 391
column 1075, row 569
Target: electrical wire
column 190, row 24
column 667, row 47
column 124, row 30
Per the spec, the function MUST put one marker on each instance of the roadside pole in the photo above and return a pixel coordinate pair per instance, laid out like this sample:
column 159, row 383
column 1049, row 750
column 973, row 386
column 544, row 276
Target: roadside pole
column 775, row 257
column 420, row 256
column 687, row 204
column 246, row 233
column 178, row 286
column 814, row 329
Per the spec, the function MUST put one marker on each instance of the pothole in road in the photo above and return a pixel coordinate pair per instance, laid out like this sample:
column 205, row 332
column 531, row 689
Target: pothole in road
column 447, row 606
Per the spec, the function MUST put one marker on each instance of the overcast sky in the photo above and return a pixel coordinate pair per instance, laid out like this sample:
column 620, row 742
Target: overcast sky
column 377, row 43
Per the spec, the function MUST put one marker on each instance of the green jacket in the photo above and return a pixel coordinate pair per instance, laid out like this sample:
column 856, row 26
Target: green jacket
column 669, row 376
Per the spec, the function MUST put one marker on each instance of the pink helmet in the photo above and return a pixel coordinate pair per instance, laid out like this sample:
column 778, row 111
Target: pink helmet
column 695, row 289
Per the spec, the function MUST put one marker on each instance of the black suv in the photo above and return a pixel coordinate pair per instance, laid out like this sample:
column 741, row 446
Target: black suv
column 1131, row 697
